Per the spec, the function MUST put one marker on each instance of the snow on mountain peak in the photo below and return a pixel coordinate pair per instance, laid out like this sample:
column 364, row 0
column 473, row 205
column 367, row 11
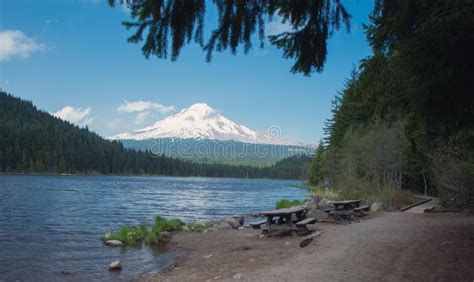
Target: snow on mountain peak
column 200, row 121
column 200, row 108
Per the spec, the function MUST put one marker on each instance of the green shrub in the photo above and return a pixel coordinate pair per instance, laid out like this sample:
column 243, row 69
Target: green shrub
column 200, row 226
column 454, row 175
column 392, row 199
column 162, row 224
column 283, row 204
column 130, row 235
column 142, row 231
column 318, row 191
column 155, row 239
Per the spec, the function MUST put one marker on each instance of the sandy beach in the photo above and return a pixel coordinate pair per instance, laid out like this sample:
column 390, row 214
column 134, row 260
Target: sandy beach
column 384, row 246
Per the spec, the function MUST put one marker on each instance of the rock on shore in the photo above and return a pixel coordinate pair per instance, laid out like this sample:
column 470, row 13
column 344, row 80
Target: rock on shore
column 115, row 265
column 375, row 207
column 235, row 221
column 114, row 243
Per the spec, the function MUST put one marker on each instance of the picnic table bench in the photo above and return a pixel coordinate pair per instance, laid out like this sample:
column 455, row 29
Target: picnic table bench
column 256, row 225
column 282, row 220
column 346, row 210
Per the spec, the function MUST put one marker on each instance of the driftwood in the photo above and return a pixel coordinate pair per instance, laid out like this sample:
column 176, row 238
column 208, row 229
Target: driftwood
column 308, row 239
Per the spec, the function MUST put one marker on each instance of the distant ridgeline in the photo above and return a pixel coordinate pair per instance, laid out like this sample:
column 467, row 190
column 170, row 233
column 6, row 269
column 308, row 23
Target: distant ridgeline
column 33, row 141
column 218, row 151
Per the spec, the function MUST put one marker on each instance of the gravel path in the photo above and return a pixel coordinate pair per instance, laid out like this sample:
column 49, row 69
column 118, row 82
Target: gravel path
column 386, row 247
column 393, row 247
column 421, row 208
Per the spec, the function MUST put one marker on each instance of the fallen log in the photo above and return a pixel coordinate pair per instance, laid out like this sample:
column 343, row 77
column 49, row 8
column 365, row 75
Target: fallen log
column 308, row 239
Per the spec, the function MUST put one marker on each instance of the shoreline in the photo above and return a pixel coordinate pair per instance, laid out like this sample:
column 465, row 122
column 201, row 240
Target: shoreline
column 341, row 252
column 136, row 175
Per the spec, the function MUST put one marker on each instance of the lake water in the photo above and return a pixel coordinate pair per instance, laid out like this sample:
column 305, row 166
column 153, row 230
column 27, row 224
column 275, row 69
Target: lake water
column 50, row 226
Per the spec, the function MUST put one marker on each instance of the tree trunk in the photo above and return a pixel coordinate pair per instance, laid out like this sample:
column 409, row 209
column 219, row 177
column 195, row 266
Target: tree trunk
column 426, row 185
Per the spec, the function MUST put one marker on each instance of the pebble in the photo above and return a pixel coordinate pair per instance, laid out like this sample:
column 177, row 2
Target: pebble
column 115, row 265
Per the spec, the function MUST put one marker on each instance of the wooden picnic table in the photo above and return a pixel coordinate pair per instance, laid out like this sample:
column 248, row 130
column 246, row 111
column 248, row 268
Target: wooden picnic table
column 346, row 205
column 282, row 220
column 344, row 210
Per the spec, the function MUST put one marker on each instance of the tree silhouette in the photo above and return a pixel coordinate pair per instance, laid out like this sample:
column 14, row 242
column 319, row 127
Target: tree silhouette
column 166, row 26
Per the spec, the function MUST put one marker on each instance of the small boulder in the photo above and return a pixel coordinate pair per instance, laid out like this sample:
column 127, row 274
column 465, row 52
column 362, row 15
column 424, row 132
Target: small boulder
column 323, row 204
column 115, row 265
column 235, row 221
column 220, row 224
column 240, row 219
column 375, row 207
column 310, row 205
column 232, row 222
column 114, row 243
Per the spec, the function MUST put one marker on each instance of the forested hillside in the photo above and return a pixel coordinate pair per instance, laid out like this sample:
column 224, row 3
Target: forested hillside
column 219, row 151
column 33, row 141
column 405, row 118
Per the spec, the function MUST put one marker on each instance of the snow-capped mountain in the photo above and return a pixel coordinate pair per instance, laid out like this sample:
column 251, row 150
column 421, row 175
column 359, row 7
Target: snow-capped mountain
column 200, row 121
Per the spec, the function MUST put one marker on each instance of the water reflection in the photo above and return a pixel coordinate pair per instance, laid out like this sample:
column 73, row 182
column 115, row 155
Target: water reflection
column 50, row 225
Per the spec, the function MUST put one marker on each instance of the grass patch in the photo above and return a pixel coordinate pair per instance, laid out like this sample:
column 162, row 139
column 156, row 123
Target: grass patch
column 155, row 239
column 391, row 199
column 199, row 226
column 306, row 186
column 128, row 235
column 162, row 224
column 284, row 204
column 131, row 235
column 317, row 191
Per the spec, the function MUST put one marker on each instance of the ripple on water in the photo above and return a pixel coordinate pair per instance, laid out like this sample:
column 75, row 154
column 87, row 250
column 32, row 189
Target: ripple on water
column 51, row 225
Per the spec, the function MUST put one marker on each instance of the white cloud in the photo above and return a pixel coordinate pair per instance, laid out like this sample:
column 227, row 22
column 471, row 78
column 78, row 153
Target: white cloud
column 77, row 116
column 140, row 106
column 16, row 43
column 142, row 117
column 277, row 27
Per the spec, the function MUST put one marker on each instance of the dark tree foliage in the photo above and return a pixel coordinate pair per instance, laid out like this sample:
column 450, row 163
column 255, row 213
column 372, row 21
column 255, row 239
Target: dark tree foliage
column 33, row 141
column 171, row 24
column 421, row 73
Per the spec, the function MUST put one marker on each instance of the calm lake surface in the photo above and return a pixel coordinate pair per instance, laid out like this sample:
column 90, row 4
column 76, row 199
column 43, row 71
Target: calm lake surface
column 50, row 226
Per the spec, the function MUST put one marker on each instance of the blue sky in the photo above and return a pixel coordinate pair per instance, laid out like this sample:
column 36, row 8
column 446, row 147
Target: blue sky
column 72, row 58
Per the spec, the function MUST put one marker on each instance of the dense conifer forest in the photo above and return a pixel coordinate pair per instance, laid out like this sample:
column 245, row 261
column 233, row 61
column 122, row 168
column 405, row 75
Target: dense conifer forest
column 405, row 118
column 33, row 141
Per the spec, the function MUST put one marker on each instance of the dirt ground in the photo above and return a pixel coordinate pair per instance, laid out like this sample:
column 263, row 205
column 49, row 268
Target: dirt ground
column 387, row 246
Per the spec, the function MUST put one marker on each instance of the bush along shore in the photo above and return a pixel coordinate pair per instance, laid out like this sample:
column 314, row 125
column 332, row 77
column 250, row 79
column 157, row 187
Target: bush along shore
column 390, row 200
column 159, row 233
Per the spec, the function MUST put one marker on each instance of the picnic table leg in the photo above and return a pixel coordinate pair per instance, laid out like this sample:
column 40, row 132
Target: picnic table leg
column 300, row 215
column 268, row 225
column 289, row 222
